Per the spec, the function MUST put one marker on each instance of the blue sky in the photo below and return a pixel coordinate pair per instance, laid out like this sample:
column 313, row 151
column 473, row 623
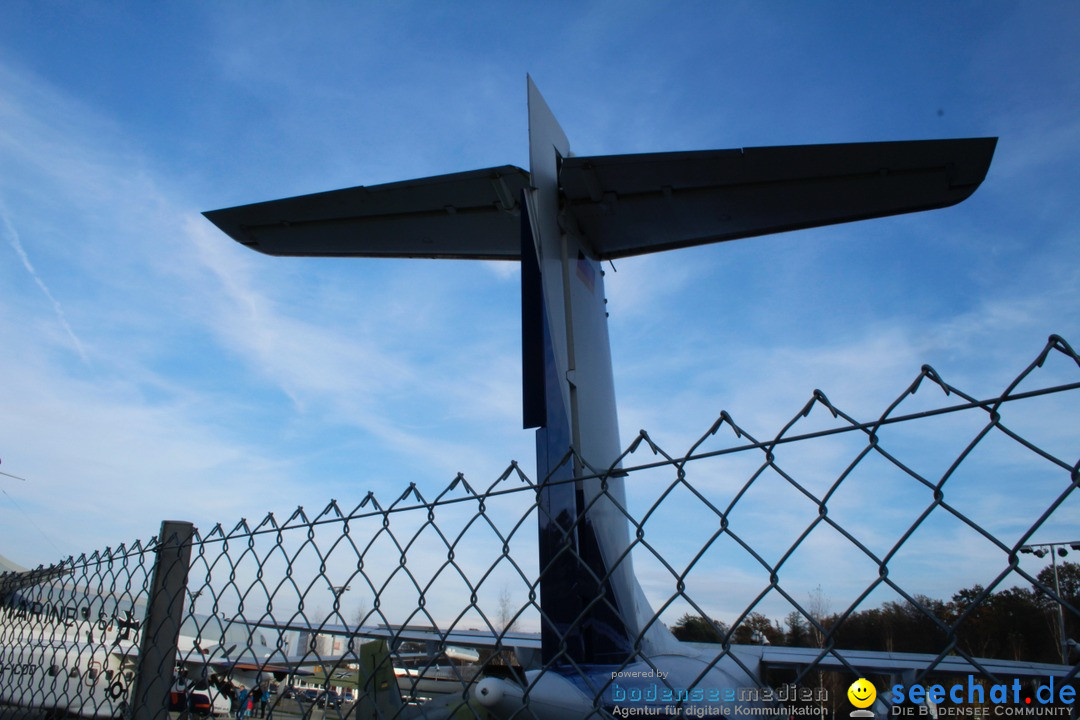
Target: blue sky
column 154, row 369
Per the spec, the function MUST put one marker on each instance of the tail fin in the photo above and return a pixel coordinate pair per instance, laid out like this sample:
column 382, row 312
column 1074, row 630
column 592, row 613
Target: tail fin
column 594, row 612
column 378, row 694
column 581, row 210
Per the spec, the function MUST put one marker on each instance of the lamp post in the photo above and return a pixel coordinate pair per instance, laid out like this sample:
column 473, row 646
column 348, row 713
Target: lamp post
column 1039, row 550
column 338, row 591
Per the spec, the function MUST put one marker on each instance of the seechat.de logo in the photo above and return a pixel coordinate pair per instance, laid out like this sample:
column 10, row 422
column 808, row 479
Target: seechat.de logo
column 862, row 694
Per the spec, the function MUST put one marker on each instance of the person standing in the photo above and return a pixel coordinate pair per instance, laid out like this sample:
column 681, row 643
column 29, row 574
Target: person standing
column 242, row 704
column 264, row 697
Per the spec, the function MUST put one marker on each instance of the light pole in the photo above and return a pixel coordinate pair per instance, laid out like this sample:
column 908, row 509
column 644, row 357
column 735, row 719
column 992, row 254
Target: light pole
column 338, row 591
column 1039, row 550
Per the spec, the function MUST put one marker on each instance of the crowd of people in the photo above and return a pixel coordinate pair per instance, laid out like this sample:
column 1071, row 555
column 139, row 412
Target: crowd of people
column 248, row 701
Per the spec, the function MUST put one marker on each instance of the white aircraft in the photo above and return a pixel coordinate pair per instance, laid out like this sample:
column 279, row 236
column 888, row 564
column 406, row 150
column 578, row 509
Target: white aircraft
column 67, row 652
column 71, row 650
column 561, row 219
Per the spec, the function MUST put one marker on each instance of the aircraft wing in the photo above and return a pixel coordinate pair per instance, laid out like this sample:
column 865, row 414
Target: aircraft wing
column 12, row 581
column 526, row 646
column 297, row 667
column 633, row 204
column 623, row 204
column 463, row 638
column 898, row 663
column 471, row 214
column 767, row 656
column 196, row 657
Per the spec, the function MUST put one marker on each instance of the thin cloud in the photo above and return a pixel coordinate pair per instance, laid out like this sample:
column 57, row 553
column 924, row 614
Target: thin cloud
column 58, row 309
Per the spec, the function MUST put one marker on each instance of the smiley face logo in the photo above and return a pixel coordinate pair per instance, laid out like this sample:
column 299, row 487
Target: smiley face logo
column 862, row 693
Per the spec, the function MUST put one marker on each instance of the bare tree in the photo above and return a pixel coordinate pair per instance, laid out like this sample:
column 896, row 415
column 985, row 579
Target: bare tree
column 818, row 607
column 360, row 617
column 506, row 620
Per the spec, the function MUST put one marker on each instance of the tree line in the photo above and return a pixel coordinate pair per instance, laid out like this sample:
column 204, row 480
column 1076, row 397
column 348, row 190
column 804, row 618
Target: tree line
column 1015, row 623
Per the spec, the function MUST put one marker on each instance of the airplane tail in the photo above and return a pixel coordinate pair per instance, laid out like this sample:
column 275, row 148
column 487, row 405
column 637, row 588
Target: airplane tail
column 378, row 693
column 576, row 212
column 594, row 611
column 582, row 210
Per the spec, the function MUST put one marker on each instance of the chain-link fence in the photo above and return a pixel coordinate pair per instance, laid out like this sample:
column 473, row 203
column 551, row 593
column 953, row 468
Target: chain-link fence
column 935, row 535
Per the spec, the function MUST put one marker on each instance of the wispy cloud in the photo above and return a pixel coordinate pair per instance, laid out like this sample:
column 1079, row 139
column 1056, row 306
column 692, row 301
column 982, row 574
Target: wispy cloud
column 58, row 309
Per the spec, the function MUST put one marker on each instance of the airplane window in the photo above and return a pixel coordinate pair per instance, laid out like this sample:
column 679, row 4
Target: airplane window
column 109, row 675
column 92, row 674
column 74, row 673
column 54, row 670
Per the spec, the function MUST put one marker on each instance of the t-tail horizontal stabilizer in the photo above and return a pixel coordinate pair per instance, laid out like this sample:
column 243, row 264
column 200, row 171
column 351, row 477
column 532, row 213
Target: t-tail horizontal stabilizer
column 622, row 205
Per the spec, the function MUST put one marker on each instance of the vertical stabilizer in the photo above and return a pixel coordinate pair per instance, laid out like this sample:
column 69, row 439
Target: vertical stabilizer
column 583, row 532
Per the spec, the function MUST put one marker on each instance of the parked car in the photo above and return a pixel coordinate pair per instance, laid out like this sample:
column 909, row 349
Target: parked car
column 330, row 698
column 307, row 695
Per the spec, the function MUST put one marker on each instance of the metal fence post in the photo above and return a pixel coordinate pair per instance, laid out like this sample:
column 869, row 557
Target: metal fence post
column 149, row 699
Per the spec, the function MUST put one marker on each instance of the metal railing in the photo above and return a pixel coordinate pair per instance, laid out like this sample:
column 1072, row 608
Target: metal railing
column 903, row 532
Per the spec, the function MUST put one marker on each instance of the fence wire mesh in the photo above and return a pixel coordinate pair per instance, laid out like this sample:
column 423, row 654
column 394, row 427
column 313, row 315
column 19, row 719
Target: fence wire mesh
column 923, row 530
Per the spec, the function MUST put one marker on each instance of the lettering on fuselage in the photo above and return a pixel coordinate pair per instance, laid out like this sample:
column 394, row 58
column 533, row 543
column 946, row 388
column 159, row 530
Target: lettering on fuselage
column 15, row 607
column 21, row 669
column 21, row 609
